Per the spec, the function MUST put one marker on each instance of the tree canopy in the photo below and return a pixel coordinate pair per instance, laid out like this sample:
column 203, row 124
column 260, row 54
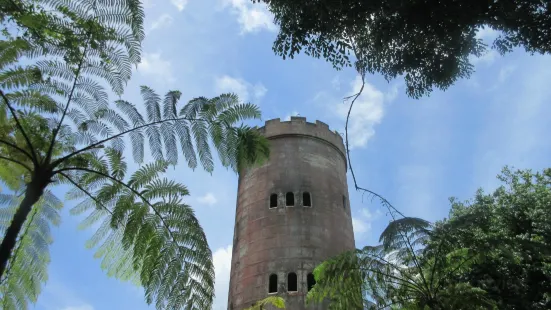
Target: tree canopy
column 512, row 226
column 427, row 42
column 494, row 252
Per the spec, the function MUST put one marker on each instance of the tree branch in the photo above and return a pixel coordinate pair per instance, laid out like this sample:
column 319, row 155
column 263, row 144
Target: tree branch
column 17, row 162
column 386, row 203
column 56, row 130
column 135, row 192
column 34, row 157
column 91, row 146
column 86, row 192
column 17, row 148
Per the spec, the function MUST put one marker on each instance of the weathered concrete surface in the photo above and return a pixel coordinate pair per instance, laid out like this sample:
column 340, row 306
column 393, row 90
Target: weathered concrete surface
column 305, row 157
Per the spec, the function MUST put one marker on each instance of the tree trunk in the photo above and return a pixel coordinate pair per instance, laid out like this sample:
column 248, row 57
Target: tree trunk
column 32, row 194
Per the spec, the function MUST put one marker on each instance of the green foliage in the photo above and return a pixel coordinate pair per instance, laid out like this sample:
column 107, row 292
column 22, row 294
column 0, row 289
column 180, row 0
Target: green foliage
column 27, row 270
column 275, row 301
column 58, row 126
column 512, row 226
column 428, row 43
column 397, row 274
column 146, row 232
column 63, row 28
column 494, row 252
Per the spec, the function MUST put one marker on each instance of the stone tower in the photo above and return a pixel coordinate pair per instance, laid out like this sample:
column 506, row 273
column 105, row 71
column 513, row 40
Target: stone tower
column 292, row 213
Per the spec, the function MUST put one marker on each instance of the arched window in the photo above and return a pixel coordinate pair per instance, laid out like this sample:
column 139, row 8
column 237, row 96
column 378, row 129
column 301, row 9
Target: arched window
column 343, row 201
column 292, row 282
column 310, row 281
column 290, row 199
column 272, row 286
column 273, row 201
column 306, row 201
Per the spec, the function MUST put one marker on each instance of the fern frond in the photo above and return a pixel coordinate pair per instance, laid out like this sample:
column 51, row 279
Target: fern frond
column 34, row 100
column 145, row 227
column 18, row 77
column 396, row 232
column 27, row 268
column 182, row 131
column 152, row 104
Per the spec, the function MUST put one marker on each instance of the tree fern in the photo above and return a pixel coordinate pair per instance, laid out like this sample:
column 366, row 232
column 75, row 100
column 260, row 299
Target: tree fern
column 147, row 233
column 62, row 129
column 398, row 275
column 27, row 268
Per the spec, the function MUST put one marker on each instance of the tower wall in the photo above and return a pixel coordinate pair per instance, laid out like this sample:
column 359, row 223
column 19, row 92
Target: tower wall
column 305, row 157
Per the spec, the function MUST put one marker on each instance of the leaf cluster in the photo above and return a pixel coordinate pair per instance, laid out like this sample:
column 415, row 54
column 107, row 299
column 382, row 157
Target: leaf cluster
column 428, row 43
column 512, row 225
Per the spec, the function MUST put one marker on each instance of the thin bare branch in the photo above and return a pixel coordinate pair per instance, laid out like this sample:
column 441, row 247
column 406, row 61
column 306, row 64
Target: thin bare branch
column 86, row 192
column 56, row 130
column 17, row 148
column 17, row 162
column 34, row 157
column 387, row 204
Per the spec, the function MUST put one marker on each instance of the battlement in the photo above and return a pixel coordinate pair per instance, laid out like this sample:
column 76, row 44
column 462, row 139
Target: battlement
column 300, row 127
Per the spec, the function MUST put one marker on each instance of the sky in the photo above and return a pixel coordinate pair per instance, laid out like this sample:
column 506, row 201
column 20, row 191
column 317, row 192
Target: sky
column 415, row 153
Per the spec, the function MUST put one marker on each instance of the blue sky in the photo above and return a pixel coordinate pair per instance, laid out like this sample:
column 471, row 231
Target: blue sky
column 416, row 153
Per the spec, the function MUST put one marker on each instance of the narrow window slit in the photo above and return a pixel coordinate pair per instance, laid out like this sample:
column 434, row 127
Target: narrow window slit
column 273, row 201
column 306, row 201
column 272, row 286
column 310, row 281
column 292, row 282
column 290, row 199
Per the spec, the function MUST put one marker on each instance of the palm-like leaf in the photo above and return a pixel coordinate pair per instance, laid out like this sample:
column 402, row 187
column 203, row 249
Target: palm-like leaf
column 62, row 128
column 27, row 269
column 147, row 233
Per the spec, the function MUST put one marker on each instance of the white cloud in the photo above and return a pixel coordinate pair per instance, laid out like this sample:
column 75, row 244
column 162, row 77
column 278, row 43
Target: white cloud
column 486, row 33
column 208, row 199
column 179, row 4
column 81, row 307
column 487, row 58
column 163, row 21
column 222, row 266
column 360, row 226
column 245, row 90
column 503, row 75
column 362, row 223
column 259, row 90
column 156, row 67
column 370, row 216
column 252, row 17
column 367, row 112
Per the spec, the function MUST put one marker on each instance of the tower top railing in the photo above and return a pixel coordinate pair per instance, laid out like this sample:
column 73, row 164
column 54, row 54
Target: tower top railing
column 298, row 126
